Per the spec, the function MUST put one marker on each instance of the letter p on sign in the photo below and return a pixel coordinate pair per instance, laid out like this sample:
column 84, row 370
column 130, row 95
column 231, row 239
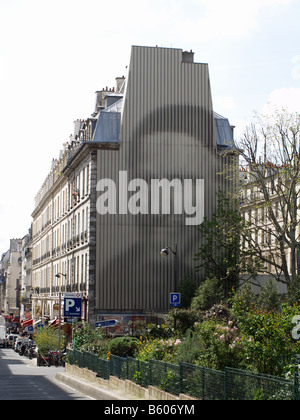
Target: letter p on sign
column 69, row 303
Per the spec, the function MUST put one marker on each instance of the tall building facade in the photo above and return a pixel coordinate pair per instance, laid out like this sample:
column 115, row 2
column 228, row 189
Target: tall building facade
column 157, row 183
column 139, row 175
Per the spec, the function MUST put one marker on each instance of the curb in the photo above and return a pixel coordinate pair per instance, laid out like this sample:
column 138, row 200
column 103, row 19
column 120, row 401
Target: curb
column 87, row 388
column 87, row 382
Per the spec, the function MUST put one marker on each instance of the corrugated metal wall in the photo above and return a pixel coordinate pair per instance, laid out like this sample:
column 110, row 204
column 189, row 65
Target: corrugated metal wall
column 167, row 131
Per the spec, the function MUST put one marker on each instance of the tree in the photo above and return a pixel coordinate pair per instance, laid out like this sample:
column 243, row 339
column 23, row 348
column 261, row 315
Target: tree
column 47, row 339
column 269, row 298
column 209, row 293
column 270, row 152
column 222, row 254
column 187, row 289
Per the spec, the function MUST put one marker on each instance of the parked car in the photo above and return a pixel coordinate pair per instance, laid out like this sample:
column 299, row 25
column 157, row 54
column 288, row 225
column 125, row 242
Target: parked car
column 11, row 339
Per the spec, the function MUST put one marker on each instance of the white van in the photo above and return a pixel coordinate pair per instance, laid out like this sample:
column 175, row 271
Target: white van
column 2, row 336
column 11, row 339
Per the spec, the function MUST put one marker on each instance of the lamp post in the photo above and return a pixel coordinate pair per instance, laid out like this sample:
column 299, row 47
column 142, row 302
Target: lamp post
column 164, row 253
column 59, row 314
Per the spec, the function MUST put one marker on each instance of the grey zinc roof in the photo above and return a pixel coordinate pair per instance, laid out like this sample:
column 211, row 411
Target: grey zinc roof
column 108, row 126
column 224, row 133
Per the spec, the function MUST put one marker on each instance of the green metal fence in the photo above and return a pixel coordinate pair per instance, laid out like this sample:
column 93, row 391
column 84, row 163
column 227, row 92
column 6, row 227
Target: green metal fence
column 243, row 385
column 91, row 362
column 199, row 382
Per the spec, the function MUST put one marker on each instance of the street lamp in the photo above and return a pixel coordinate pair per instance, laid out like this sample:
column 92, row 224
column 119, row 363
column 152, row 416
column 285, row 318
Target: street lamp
column 60, row 274
column 164, row 253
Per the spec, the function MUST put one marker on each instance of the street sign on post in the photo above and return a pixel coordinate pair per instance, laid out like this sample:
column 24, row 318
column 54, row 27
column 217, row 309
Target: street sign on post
column 106, row 324
column 174, row 300
column 72, row 305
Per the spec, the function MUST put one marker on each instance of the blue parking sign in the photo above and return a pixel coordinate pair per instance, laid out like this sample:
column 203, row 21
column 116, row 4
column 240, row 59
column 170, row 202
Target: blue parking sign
column 72, row 305
column 174, row 300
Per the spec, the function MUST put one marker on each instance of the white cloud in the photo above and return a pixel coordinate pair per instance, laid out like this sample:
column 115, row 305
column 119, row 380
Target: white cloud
column 296, row 67
column 287, row 98
column 225, row 19
column 224, row 103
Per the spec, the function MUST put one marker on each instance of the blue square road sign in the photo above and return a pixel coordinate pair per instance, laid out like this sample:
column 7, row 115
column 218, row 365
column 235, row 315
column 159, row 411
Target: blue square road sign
column 174, row 300
column 72, row 307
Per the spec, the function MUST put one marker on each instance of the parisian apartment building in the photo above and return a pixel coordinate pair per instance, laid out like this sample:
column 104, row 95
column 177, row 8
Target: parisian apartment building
column 11, row 274
column 137, row 176
column 15, row 279
column 63, row 230
column 269, row 237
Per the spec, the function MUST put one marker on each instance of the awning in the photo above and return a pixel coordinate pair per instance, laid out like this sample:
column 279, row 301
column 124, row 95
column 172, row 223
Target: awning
column 27, row 323
column 15, row 320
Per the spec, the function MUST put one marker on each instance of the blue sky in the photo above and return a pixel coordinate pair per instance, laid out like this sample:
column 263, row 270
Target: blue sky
column 55, row 54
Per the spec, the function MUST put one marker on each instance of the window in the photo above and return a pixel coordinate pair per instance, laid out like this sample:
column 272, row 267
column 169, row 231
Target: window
column 83, row 182
column 87, row 179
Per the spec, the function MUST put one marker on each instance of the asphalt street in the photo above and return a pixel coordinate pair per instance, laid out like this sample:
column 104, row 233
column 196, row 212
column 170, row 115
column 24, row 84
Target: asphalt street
column 21, row 379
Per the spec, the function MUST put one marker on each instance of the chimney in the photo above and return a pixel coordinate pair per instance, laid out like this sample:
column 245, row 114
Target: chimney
column 188, row 56
column 120, row 84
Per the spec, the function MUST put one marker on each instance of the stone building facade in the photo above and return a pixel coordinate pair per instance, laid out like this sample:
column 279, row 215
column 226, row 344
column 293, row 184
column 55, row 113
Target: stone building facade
column 64, row 222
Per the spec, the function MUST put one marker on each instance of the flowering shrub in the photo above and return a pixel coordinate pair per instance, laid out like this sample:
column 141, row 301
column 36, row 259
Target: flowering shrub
column 157, row 349
column 122, row 346
column 268, row 344
column 212, row 344
column 159, row 331
column 183, row 319
column 269, row 347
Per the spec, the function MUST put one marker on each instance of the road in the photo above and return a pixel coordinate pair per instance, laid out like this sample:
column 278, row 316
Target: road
column 21, row 379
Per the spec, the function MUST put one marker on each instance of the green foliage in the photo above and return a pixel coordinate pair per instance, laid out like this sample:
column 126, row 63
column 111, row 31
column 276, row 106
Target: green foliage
column 209, row 293
column 187, row 289
column 222, row 254
column 85, row 338
column 137, row 327
column 159, row 331
column 157, row 349
column 47, row 340
column 269, row 298
column 183, row 319
column 293, row 294
column 219, row 313
column 122, row 346
column 214, row 345
column 243, row 334
column 268, row 344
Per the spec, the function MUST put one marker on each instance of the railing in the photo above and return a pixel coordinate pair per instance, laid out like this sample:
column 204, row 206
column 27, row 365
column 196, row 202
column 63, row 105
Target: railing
column 199, row 382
